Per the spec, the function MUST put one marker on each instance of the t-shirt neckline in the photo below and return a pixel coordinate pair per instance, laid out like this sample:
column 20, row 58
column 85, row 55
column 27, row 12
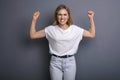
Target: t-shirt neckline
column 63, row 29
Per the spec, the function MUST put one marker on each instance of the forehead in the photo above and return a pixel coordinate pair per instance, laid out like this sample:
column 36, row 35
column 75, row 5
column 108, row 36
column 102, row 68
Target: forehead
column 62, row 11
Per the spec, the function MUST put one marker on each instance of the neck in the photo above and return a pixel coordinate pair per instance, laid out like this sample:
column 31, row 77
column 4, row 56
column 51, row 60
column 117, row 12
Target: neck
column 63, row 25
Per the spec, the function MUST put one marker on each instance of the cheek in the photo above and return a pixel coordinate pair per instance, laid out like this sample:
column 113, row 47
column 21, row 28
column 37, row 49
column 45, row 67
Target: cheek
column 66, row 17
column 58, row 17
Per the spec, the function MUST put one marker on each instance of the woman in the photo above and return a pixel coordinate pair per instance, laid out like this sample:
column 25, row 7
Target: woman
column 63, row 38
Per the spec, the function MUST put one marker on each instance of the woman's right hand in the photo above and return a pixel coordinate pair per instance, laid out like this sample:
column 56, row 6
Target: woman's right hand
column 36, row 15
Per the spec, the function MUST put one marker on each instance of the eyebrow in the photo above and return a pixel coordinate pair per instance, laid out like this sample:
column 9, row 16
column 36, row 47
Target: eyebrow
column 62, row 14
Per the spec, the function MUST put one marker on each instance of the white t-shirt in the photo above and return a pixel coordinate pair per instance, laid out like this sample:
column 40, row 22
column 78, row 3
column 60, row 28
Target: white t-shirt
column 63, row 42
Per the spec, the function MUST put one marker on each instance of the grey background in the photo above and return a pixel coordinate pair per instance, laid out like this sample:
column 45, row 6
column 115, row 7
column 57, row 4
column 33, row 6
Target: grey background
column 24, row 59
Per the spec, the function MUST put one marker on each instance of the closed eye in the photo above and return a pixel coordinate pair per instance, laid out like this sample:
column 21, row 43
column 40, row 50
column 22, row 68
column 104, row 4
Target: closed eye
column 62, row 14
column 65, row 14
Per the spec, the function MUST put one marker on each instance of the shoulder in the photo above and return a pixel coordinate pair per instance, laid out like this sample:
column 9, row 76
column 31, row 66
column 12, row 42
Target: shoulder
column 76, row 27
column 77, row 30
column 49, row 28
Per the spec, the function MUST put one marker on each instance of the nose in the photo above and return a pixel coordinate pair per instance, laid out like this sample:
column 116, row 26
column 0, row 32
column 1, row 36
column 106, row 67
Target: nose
column 62, row 16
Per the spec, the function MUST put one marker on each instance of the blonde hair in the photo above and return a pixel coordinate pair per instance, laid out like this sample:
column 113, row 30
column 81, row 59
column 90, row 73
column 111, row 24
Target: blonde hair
column 55, row 20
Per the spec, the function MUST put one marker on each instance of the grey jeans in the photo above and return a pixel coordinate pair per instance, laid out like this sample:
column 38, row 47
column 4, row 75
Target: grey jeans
column 62, row 68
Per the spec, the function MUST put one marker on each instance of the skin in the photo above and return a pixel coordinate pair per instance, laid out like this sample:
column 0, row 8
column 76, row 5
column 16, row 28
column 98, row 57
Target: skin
column 62, row 17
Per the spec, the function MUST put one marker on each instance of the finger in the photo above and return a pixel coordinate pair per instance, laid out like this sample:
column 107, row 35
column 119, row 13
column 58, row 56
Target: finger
column 90, row 13
column 38, row 13
column 91, row 10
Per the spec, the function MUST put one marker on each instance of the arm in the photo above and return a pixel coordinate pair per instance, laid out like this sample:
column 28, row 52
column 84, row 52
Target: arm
column 33, row 33
column 91, row 31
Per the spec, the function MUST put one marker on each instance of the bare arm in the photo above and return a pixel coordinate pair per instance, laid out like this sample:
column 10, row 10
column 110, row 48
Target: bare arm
column 33, row 33
column 91, row 31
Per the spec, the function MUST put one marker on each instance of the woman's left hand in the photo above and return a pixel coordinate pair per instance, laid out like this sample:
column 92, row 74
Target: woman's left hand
column 91, row 13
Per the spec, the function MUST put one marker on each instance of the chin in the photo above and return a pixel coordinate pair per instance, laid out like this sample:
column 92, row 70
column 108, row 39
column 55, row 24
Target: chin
column 62, row 23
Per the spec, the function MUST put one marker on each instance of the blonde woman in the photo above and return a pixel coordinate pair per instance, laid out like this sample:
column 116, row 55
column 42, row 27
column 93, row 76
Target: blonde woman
column 63, row 37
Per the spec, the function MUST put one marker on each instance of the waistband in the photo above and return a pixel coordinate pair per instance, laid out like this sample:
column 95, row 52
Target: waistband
column 65, row 56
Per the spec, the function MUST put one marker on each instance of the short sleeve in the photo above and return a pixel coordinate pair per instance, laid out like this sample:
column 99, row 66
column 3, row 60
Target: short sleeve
column 47, row 31
column 81, row 31
column 78, row 30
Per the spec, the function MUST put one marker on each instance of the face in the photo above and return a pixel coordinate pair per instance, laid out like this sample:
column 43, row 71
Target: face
column 62, row 17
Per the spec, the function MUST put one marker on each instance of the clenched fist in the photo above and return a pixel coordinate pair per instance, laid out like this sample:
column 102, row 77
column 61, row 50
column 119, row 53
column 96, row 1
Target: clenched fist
column 36, row 15
column 91, row 13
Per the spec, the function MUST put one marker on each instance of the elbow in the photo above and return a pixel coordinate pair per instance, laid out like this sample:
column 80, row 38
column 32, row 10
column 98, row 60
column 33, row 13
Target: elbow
column 93, row 36
column 32, row 36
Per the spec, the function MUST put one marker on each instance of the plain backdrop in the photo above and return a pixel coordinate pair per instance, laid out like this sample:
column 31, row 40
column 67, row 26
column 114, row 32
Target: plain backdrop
column 24, row 59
